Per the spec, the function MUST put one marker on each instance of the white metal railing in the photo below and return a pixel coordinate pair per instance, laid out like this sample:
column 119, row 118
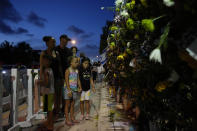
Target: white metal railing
column 16, row 95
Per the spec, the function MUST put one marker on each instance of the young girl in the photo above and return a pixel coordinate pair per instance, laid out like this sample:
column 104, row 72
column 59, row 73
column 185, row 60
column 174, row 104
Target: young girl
column 47, row 89
column 85, row 80
column 71, row 90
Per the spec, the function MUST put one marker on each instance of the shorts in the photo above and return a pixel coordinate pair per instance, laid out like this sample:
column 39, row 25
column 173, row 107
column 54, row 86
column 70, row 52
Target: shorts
column 85, row 96
column 48, row 102
column 66, row 97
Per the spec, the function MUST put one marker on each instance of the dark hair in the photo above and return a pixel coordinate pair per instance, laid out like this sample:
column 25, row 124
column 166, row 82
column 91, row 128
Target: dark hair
column 47, row 38
column 85, row 59
column 73, row 48
column 65, row 37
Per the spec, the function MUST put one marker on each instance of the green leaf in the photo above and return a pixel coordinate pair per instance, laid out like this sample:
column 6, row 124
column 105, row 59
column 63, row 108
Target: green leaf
column 148, row 25
column 113, row 28
column 130, row 24
column 164, row 36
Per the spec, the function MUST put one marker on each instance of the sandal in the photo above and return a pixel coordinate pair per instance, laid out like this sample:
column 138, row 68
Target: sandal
column 75, row 121
column 69, row 123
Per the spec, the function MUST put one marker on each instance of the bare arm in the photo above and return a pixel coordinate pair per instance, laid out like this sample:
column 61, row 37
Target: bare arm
column 67, row 79
column 79, row 84
column 92, row 84
column 45, row 80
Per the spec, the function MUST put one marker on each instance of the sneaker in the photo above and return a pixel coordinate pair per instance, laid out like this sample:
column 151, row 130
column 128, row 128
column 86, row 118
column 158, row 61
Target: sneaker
column 81, row 117
column 87, row 117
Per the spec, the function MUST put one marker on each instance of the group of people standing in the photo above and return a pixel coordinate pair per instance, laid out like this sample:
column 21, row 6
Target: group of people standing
column 63, row 77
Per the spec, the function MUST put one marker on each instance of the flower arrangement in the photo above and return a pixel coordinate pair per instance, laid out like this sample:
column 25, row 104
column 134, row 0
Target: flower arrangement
column 147, row 63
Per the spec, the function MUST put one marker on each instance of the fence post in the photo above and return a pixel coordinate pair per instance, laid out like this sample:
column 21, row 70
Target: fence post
column 1, row 100
column 14, row 74
column 36, row 93
column 30, row 94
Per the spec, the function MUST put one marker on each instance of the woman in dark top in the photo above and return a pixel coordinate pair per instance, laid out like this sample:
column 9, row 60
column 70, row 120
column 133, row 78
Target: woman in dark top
column 55, row 65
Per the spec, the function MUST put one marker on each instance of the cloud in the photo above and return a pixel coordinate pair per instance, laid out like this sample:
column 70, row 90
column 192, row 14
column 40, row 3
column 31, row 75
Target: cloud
column 21, row 30
column 87, row 35
column 75, row 30
column 6, row 29
column 30, row 35
column 90, row 50
column 82, row 34
column 8, row 12
column 91, row 46
column 36, row 20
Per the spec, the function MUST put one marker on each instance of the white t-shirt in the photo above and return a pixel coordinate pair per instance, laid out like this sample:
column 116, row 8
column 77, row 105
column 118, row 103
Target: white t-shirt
column 100, row 69
column 94, row 69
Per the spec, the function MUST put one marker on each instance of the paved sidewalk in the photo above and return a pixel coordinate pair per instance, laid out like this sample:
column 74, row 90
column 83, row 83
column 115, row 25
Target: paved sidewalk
column 99, row 120
column 103, row 122
column 99, row 113
column 85, row 125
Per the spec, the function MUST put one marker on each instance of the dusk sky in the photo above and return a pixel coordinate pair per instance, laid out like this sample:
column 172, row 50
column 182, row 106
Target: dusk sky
column 30, row 20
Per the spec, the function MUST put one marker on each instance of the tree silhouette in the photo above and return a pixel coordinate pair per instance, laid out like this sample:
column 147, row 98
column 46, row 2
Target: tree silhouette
column 6, row 52
column 22, row 53
column 103, row 37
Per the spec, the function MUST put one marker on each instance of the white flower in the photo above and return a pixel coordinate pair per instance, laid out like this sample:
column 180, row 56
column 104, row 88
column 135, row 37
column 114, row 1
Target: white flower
column 155, row 55
column 118, row 2
column 117, row 19
column 131, row 64
column 168, row 3
column 124, row 13
column 102, row 8
column 128, row 44
column 191, row 53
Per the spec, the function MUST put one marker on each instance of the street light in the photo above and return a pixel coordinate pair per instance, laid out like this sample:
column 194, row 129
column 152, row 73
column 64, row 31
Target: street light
column 4, row 72
column 73, row 42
